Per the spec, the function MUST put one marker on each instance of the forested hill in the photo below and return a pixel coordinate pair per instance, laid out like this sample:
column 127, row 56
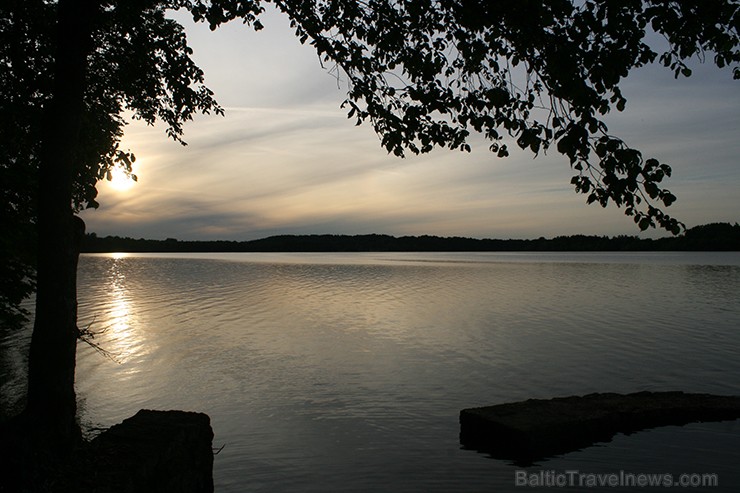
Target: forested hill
column 716, row 236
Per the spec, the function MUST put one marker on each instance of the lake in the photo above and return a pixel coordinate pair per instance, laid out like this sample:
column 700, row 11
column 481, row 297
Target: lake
column 347, row 372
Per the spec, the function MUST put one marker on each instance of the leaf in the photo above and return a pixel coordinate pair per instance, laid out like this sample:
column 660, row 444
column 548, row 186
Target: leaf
column 668, row 198
column 651, row 189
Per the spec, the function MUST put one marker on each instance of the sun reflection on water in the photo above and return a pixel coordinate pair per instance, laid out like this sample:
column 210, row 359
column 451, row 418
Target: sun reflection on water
column 122, row 339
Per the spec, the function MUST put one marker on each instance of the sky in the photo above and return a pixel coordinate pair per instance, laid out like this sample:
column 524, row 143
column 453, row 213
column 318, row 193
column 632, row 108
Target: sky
column 286, row 160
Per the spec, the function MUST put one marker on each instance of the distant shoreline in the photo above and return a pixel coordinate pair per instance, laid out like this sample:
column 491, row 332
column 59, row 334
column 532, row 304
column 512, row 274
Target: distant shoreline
column 709, row 237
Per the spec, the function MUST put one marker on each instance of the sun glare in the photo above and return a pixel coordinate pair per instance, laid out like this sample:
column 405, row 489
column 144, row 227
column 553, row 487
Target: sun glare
column 120, row 181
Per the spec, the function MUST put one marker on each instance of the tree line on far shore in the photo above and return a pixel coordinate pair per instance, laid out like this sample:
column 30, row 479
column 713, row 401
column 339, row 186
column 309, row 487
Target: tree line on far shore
column 708, row 237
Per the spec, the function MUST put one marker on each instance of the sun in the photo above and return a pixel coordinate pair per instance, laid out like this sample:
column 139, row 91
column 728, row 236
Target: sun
column 119, row 180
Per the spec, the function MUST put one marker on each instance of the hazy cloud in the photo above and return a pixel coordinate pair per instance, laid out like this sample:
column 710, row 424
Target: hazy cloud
column 285, row 159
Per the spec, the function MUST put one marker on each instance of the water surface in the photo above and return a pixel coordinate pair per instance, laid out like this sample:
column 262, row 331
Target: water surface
column 346, row 372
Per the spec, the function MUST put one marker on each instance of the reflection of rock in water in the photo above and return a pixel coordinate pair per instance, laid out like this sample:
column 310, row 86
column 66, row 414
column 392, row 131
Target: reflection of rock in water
column 534, row 429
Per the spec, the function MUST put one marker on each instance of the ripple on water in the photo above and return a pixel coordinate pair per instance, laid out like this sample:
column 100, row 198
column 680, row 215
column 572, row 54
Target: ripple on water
column 341, row 373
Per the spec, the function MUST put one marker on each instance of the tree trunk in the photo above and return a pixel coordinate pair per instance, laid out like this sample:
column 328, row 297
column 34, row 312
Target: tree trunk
column 51, row 404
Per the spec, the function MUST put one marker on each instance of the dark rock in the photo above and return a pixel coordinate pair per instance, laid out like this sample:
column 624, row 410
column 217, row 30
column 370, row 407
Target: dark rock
column 162, row 451
column 536, row 429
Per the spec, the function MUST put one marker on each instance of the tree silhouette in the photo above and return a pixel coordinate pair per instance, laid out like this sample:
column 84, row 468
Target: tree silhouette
column 136, row 60
column 423, row 73
column 428, row 73
column 71, row 70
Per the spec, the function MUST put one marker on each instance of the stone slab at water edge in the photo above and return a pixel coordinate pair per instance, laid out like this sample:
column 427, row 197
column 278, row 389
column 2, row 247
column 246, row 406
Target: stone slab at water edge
column 538, row 428
column 152, row 451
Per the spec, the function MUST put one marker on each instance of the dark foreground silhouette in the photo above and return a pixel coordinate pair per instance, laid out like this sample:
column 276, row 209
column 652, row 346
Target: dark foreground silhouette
column 535, row 429
column 162, row 451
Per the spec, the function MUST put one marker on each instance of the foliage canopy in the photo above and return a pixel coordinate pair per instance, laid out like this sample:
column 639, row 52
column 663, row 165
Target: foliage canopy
column 139, row 62
column 423, row 73
column 427, row 73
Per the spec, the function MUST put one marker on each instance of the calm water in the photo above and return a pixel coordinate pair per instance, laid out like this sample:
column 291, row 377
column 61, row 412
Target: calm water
column 327, row 373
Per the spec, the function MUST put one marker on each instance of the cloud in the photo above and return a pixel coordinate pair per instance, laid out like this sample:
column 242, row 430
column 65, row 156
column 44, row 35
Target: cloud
column 286, row 159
